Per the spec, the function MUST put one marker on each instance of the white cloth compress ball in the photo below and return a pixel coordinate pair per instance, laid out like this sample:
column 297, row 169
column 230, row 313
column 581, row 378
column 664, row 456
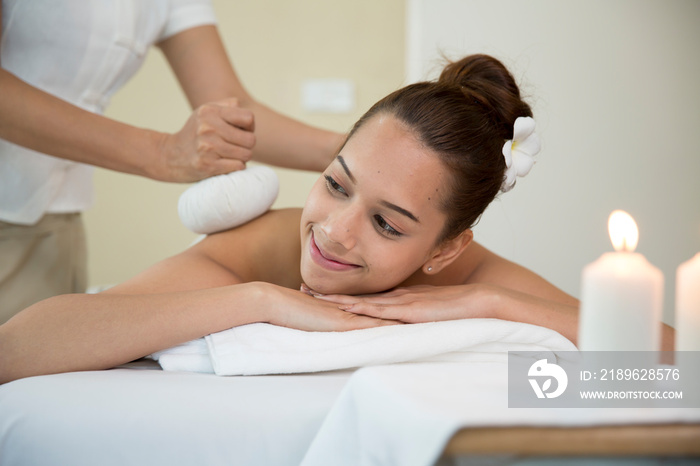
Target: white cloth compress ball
column 225, row 201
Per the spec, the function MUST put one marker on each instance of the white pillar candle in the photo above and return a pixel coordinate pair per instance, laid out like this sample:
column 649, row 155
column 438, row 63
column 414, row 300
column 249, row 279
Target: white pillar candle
column 621, row 295
column 688, row 305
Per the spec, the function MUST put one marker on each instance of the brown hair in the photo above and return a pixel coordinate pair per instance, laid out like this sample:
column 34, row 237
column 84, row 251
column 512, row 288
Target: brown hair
column 465, row 117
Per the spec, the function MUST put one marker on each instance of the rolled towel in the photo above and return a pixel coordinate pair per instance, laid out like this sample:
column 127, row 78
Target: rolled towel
column 261, row 348
column 226, row 201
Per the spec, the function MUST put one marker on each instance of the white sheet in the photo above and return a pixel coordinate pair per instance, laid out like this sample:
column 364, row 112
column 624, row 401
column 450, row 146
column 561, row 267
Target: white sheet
column 150, row 417
column 269, row 349
column 406, row 413
column 401, row 414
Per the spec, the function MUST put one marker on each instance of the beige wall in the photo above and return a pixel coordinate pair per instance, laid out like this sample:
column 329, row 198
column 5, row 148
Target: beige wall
column 274, row 45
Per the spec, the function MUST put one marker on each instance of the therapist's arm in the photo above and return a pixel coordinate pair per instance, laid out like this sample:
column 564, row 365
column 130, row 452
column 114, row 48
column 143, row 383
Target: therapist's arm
column 37, row 120
column 216, row 139
column 200, row 62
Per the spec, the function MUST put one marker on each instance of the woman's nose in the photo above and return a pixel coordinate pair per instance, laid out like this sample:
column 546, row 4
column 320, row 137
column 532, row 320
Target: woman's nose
column 341, row 227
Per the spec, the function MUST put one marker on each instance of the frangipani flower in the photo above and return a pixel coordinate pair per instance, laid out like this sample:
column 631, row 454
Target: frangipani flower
column 520, row 151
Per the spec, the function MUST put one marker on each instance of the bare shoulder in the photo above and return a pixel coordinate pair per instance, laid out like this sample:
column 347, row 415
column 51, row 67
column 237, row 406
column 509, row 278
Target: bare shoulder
column 265, row 249
column 479, row 265
column 462, row 270
column 485, row 266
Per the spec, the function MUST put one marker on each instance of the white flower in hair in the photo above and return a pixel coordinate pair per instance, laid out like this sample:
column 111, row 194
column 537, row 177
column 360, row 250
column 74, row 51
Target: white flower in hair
column 520, row 151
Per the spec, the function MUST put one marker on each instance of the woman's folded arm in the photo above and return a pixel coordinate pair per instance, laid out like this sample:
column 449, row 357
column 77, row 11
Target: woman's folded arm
column 89, row 332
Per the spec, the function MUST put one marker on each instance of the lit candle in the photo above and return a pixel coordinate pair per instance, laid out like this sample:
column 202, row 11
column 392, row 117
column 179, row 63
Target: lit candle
column 621, row 295
column 688, row 305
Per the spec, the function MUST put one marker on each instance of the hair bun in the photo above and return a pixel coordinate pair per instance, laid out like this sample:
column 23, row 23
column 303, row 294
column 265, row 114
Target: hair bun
column 489, row 82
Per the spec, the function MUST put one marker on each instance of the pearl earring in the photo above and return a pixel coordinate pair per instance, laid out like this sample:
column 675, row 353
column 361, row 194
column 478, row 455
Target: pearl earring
column 430, row 269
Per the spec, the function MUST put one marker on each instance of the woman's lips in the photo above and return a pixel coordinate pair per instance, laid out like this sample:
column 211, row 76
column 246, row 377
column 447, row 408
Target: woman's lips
column 325, row 260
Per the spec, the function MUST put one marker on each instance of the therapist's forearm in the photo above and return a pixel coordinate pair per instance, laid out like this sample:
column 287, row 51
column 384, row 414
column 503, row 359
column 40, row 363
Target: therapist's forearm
column 289, row 143
column 199, row 60
column 37, row 120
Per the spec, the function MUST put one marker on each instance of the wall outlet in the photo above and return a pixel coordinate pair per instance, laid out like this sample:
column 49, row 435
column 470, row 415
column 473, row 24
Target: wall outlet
column 328, row 95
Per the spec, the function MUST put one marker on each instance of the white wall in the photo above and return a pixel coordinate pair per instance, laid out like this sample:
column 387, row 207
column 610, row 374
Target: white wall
column 614, row 90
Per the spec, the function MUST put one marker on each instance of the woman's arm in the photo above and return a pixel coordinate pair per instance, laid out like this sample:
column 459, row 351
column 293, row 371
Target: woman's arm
column 493, row 288
column 512, row 292
column 430, row 303
column 519, row 294
column 88, row 332
column 200, row 62
column 477, row 284
column 206, row 289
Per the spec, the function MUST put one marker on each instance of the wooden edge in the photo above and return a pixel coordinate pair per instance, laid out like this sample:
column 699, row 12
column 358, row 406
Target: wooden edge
column 627, row 440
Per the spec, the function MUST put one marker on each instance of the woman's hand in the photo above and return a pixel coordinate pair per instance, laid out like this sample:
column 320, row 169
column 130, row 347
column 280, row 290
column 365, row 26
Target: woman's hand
column 217, row 138
column 422, row 303
column 426, row 303
column 299, row 310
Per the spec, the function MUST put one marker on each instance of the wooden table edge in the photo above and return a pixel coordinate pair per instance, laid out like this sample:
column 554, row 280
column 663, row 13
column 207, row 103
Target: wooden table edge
column 612, row 440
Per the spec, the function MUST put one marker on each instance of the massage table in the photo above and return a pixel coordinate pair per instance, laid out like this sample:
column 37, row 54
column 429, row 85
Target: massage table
column 405, row 414
column 140, row 415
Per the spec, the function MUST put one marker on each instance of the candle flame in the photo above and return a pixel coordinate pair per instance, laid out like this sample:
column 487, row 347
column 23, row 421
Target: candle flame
column 623, row 230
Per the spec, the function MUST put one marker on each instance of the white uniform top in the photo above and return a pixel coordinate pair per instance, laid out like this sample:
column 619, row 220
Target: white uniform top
column 82, row 52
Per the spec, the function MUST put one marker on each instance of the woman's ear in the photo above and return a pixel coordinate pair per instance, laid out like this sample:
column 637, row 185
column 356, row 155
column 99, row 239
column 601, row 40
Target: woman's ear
column 447, row 252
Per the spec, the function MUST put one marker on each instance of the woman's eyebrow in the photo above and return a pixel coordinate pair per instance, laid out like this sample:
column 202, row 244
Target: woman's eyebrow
column 400, row 210
column 345, row 167
column 387, row 204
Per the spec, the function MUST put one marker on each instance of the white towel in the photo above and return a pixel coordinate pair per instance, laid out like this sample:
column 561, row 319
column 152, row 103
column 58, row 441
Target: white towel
column 257, row 349
column 192, row 356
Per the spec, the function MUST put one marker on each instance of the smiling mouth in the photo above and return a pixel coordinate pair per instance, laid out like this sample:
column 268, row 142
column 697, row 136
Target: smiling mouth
column 326, row 261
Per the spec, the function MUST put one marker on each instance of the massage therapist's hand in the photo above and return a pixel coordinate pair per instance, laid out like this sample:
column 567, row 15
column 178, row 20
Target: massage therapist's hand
column 296, row 309
column 217, row 138
column 422, row 303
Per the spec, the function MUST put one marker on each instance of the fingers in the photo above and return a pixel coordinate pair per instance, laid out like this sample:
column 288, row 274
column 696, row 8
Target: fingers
column 225, row 143
column 236, row 137
column 237, row 116
column 352, row 321
column 376, row 310
column 357, row 322
column 336, row 298
column 217, row 138
column 217, row 157
column 232, row 125
column 408, row 313
column 404, row 305
column 223, row 137
column 223, row 166
column 383, row 299
column 396, row 295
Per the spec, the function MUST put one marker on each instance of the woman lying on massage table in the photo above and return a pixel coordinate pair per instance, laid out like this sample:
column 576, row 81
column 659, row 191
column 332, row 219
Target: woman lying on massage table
column 389, row 219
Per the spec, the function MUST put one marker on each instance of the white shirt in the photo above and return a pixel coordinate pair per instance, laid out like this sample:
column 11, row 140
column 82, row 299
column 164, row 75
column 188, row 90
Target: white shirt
column 82, row 52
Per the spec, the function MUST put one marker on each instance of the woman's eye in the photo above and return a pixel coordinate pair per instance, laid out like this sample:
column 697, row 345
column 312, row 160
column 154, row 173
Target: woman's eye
column 334, row 186
column 384, row 227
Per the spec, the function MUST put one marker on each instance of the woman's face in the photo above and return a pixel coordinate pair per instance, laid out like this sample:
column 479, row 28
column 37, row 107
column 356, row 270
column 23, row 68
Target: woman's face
column 374, row 216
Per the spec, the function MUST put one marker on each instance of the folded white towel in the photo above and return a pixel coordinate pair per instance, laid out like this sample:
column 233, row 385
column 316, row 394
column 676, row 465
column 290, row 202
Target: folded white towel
column 192, row 356
column 257, row 349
